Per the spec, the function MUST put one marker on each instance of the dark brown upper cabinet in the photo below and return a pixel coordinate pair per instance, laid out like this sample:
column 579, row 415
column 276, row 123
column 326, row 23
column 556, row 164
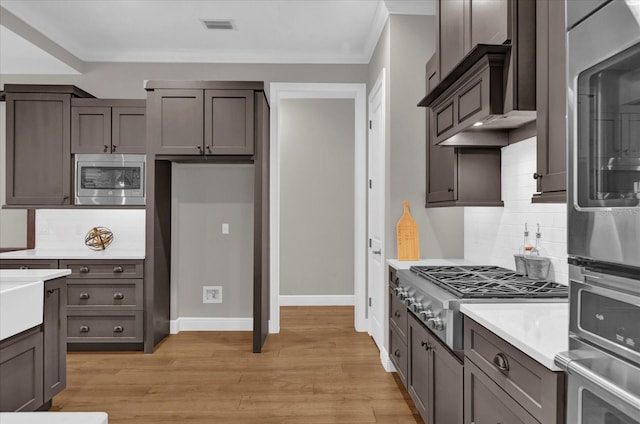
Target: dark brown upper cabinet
column 456, row 176
column 108, row 126
column 486, row 62
column 201, row 122
column 39, row 144
column 463, row 24
column 551, row 173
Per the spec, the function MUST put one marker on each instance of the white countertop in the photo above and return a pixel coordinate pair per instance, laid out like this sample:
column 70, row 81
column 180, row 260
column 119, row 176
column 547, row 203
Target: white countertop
column 541, row 330
column 397, row 264
column 53, row 418
column 84, row 253
column 28, row 275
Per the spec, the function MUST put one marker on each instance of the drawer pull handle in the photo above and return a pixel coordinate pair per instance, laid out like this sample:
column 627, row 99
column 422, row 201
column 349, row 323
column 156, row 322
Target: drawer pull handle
column 118, row 269
column 84, row 328
column 84, row 296
column 24, row 267
column 397, row 353
column 118, row 296
column 118, row 329
column 500, row 361
column 396, row 314
column 84, row 269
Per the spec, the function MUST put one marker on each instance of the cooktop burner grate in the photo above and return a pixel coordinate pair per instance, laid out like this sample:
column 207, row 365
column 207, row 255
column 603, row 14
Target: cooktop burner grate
column 488, row 282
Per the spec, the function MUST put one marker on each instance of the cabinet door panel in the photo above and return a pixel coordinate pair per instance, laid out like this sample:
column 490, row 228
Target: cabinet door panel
column 551, row 97
column 176, row 119
column 486, row 402
column 55, row 337
column 447, row 385
column 420, row 372
column 229, row 122
column 441, row 169
column 451, row 34
column 129, row 130
column 21, row 372
column 38, row 149
column 91, row 130
column 488, row 22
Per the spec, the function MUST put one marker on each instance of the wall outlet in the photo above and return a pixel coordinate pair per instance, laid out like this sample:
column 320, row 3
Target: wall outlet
column 225, row 228
column 211, row 294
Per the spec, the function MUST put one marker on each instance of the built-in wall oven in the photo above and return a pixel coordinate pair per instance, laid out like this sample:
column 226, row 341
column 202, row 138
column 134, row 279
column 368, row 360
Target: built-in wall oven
column 603, row 117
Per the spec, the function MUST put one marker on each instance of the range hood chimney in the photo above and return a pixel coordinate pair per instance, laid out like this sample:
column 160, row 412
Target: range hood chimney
column 487, row 94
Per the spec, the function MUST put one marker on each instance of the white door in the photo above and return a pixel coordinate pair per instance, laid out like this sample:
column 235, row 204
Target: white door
column 375, row 207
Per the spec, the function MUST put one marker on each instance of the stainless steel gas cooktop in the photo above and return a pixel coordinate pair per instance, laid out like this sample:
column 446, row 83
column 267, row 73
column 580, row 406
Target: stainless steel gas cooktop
column 488, row 282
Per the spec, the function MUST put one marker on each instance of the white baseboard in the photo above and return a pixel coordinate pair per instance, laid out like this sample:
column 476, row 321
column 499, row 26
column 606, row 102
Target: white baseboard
column 317, row 300
column 210, row 324
column 386, row 362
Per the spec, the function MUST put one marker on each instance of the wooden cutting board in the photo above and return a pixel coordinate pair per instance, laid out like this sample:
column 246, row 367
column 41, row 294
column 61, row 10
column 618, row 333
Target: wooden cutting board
column 407, row 236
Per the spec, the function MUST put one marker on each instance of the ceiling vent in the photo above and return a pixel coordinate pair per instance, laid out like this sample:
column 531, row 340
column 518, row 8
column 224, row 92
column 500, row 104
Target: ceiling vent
column 218, row 24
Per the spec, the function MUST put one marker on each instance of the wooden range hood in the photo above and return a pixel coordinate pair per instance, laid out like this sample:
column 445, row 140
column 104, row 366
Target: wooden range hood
column 490, row 92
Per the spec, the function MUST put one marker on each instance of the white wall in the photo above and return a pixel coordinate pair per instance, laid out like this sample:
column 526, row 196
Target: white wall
column 316, row 197
column 494, row 235
column 65, row 229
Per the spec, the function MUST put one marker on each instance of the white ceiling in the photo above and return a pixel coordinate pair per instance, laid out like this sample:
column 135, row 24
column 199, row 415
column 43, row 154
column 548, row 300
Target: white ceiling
column 266, row 31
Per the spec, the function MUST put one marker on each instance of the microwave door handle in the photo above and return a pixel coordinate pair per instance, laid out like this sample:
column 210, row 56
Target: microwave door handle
column 575, row 367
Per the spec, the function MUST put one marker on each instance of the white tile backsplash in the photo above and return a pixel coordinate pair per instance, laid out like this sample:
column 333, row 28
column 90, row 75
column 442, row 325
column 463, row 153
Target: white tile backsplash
column 493, row 235
column 66, row 228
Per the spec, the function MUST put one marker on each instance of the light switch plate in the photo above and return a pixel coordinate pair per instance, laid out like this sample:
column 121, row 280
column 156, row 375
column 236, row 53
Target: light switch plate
column 225, row 228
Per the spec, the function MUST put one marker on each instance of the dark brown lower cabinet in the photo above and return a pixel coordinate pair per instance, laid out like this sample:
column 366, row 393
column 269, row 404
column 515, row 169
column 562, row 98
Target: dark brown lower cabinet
column 504, row 385
column 33, row 364
column 486, row 402
column 21, row 372
column 435, row 377
column 55, row 337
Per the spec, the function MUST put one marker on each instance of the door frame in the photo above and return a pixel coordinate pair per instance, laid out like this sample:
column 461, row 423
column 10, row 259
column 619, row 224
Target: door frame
column 357, row 92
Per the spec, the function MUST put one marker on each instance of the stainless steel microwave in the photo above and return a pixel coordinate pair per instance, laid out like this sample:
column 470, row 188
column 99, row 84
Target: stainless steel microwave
column 110, row 179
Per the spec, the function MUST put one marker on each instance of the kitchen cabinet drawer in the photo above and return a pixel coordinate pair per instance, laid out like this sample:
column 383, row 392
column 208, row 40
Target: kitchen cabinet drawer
column 104, row 269
column 398, row 354
column 29, row 264
column 398, row 315
column 486, row 402
column 104, row 327
column 120, row 294
column 539, row 390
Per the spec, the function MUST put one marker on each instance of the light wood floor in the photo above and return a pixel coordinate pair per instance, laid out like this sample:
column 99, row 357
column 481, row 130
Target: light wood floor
column 317, row 370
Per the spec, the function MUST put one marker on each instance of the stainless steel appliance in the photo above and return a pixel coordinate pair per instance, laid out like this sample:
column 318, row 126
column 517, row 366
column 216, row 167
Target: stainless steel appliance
column 434, row 294
column 603, row 115
column 110, row 179
column 603, row 119
column 603, row 362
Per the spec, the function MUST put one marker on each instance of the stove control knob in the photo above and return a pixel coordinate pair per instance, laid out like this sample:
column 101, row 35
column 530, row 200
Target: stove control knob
column 426, row 314
column 435, row 324
column 416, row 306
column 409, row 300
column 401, row 292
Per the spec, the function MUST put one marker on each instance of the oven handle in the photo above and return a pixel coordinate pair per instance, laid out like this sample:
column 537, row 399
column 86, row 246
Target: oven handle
column 599, row 278
column 604, row 384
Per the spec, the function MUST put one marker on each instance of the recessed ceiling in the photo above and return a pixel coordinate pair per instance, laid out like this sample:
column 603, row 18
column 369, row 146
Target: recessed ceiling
column 265, row 31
